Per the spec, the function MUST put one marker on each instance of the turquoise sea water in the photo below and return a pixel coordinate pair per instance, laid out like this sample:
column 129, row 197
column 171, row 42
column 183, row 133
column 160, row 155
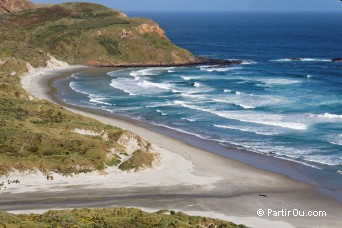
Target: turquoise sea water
column 269, row 104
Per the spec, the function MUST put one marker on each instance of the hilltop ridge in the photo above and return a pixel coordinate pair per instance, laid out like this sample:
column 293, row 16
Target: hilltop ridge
column 88, row 34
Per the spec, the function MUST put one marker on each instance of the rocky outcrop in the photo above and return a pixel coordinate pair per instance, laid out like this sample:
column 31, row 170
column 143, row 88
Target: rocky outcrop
column 8, row 6
column 150, row 28
column 296, row 59
column 335, row 60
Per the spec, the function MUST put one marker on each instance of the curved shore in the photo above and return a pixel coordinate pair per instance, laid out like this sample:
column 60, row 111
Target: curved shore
column 231, row 188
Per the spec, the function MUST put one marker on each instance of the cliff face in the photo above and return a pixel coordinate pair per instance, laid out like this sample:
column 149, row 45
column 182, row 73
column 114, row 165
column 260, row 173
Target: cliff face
column 84, row 33
column 7, row 6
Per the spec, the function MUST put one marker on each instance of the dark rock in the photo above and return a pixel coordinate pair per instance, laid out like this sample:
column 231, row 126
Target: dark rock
column 337, row 60
column 196, row 62
column 263, row 195
column 296, row 59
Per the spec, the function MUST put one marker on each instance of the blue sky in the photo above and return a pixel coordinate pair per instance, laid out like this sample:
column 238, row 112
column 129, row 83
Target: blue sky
column 217, row 5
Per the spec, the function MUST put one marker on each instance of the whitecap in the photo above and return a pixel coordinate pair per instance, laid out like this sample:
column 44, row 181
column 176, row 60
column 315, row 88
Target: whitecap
column 99, row 100
column 146, row 84
column 245, row 129
column 161, row 112
column 250, row 117
column 186, row 78
column 159, row 104
column 183, row 131
column 228, row 101
column 93, row 97
column 74, row 76
column 323, row 159
column 248, row 62
column 335, row 139
column 330, row 116
column 149, row 71
column 126, row 87
column 279, row 81
column 197, row 84
column 220, row 69
column 118, row 73
column 189, row 119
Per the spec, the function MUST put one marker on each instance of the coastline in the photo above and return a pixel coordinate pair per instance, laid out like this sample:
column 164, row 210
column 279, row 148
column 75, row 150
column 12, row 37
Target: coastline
column 235, row 187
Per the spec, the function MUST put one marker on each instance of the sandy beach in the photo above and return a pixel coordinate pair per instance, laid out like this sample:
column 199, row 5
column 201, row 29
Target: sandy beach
column 187, row 179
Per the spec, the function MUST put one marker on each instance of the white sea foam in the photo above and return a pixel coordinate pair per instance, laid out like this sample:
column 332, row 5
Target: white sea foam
column 264, row 119
column 126, row 87
column 74, row 76
column 74, row 87
column 246, row 129
column 93, row 98
column 149, row 71
column 330, row 116
column 195, row 96
column 339, row 171
column 189, row 119
column 161, row 112
column 279, row 81
column 175, row 91
column 147, row 84
column 186, row 78
column 323, row 159
column 180, row 130
column 159, row 104
column 99, row 100
column 335, row 139
column 119, row 73
column 197, row 84
column 219, row 69
column 246, row 106
column 248, row 62
column 250, row 117
column 228, row 101
column 227, row 91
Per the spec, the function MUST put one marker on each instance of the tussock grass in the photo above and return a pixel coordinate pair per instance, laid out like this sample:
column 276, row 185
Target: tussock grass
column 111, row 217
column 85, row 33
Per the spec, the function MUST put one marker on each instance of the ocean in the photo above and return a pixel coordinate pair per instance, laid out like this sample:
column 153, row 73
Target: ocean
column 269, row 104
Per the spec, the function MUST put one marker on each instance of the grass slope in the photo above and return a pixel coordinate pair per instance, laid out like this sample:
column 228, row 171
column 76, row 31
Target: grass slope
column 37, row 134
column 85, row 33
column 111, row 217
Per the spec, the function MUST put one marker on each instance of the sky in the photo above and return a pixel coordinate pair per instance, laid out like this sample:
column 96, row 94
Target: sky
column 217, row 5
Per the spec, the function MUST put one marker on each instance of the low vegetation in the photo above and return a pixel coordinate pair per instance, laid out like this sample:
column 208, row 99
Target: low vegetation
column 85, row 33
column 138, row 158
column 111, row 217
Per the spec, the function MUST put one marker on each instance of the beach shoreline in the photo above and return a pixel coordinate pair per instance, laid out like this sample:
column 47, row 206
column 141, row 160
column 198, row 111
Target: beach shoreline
column 235, row 187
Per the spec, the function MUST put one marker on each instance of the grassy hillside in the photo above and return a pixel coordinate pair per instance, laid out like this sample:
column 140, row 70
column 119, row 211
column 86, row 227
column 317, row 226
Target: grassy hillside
column 84, row 33
column 36, row 134
column 111, row 217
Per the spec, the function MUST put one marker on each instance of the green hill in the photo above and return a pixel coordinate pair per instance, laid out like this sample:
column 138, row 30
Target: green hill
column 85, row 33
column 111, row 217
